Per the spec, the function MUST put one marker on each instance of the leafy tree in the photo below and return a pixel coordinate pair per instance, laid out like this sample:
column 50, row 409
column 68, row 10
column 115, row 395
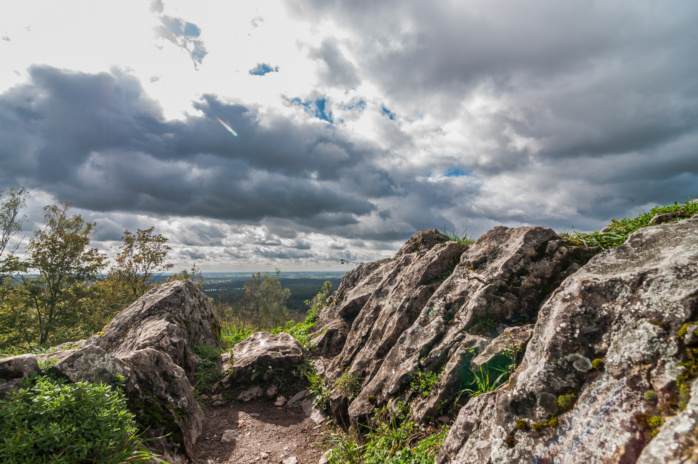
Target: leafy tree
column 59, row 254
column 11, row 222
column 194, row 274
column 265, row 300
column 140, row 256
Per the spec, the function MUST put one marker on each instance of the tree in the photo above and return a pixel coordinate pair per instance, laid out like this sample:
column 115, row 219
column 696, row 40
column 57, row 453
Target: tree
column 10, row 223
column 265, row 300
column 140, row 256
column 59, row 254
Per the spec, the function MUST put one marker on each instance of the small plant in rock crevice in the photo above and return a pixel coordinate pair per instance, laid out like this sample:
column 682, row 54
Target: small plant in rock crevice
column 454, row 236
column 424, row 382
column 349, row 385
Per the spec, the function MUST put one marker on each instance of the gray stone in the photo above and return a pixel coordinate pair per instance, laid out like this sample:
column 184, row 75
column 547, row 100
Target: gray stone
column 291, row 460
column 297, row 397
column 271, row 390
column 163, row 400
column 15, row 369
column 264, row 351
column 312, row 412
column 92, row 364
column 624, row 307
column 250, row 394
column 512, row 340
column 172, row 318
column 280, row 401
column 691, row 337
column 229, row 436
column 676, row 442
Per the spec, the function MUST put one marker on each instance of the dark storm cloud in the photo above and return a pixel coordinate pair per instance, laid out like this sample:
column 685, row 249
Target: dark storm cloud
column 98, row 141
column 563, row 83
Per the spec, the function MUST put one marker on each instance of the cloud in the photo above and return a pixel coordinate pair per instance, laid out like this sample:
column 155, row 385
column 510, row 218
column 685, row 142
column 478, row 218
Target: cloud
column 183, row 34
column 99, row 141
column 336, row 71
column 262, row 68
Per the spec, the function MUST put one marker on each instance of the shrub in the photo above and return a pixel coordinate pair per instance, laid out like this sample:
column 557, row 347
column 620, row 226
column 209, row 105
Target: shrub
column 650, row 396
column 56, row 422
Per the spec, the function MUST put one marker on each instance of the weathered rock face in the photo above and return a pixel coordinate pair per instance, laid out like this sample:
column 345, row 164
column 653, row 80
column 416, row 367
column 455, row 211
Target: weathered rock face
column 15, row 369
column 262, row 351
column 172, row 318
column 624, row 307
column 436, row 305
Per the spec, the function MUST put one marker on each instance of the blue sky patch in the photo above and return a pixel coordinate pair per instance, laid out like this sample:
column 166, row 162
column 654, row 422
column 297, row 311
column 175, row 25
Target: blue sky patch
column 262, row 69
column 457, row 172
column 388, row 113
column 317, row 107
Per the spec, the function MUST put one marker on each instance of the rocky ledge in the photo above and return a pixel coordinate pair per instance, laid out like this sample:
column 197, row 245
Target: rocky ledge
column 604, row 345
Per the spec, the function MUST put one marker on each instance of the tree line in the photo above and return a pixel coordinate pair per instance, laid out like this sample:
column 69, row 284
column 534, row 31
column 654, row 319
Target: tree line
column 63, row 290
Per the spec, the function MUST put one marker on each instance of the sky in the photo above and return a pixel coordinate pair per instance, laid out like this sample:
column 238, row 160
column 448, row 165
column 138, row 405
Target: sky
column 293, row 134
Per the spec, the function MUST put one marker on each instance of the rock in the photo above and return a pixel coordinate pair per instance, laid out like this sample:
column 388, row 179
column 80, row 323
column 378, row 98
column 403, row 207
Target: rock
column 15, row 369
column 666, row 217
column 270, row 392
column 171, row 318
column 229, row 436
column 324, row 459
column 311, row 411
column 691, row 337
column 511, row 342
column 624, row 307
column 264, row 351
column 343, row 306
column 676, row 441
column 163, row 401
column 297, row 397
column 291, row 460
column 250, row 394
column 444, row 419
column 223, row 362
column 280, row 401
column 92, row 364
column 434, row 310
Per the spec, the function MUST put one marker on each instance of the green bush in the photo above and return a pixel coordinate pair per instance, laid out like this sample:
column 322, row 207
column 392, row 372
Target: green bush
column 56, row 422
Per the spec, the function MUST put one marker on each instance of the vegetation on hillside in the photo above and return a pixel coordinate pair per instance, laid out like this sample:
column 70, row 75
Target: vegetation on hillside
column 618, row 231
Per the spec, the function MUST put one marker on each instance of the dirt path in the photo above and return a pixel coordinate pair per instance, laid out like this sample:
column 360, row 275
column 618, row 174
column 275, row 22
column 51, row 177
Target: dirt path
column 260, row 433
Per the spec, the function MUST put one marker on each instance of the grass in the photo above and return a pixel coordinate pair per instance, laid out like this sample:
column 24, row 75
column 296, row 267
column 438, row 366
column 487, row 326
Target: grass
column 423, row 382
column 618, row 230
column 393, row 440
column 462, row 237
column 50, row 421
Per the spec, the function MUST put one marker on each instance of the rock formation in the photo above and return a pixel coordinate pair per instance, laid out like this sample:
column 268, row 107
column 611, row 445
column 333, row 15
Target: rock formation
column 607, row 349
column 146, row 349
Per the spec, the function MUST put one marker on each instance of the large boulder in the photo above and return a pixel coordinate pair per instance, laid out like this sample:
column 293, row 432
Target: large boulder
column 172, row 318
column 262, row 351
column 604, row 366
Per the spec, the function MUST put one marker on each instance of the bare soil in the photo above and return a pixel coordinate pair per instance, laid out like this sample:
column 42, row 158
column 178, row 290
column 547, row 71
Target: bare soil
column 264, row 434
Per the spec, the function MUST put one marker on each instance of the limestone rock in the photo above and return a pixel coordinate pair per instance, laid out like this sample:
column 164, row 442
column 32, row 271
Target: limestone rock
column 280, row 401
column 297, row 397
column 92, row 364
column 624, row 307
column 512, row 341
column 15, row 369
column 250, row 394
column 291, row 460
column 171, row 318
column 436, row 309
column 229, row 436
column 264, row 351
column 163, row 401
column 676, row 442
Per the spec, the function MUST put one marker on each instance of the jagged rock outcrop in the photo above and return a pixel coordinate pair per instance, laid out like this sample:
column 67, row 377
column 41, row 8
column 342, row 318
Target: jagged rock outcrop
column 171, row 318
column 603, row 340
column 437, row 304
